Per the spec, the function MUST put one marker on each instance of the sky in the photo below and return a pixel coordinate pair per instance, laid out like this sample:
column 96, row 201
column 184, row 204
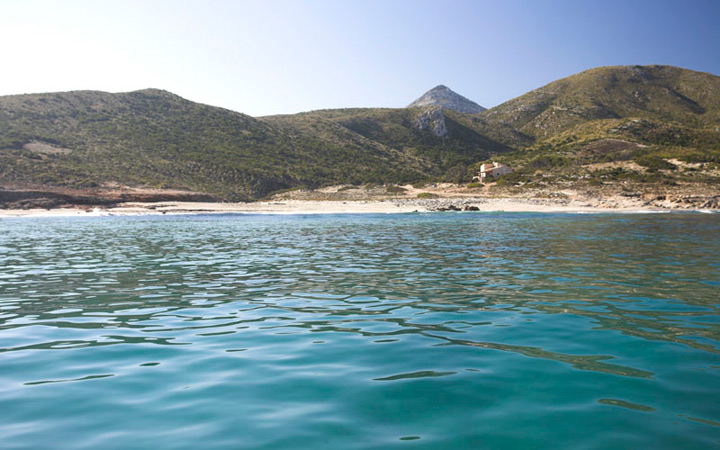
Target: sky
column 286, row 56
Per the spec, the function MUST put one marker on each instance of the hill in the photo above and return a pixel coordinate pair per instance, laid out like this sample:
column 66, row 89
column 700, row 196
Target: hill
column 647, row 124
column 439, row 140
column 649, row 128
column 445, row 98
column 658, row 93
column 153, row 138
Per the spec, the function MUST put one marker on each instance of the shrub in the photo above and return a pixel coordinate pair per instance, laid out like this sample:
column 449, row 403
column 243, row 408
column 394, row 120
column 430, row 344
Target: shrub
column 655, row 163
column 92, row 183
column 419, row 184
column 392, row 189
column 548, row 161
column 285, row 191
column 427, row 195
column 701, row 157
column 517, row 177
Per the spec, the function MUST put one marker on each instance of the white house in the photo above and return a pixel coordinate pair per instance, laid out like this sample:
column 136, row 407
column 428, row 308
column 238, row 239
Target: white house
column 492, row 171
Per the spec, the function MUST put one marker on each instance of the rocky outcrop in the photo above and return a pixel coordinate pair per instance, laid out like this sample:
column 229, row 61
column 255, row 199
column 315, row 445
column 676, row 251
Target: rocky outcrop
column 445, row 98
column 58, row 197
column 444, row 204
column 694, row 201
column 432, row 119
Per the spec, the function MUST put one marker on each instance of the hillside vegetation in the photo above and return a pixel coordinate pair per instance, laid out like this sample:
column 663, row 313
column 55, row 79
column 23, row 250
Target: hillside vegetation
column 444, row 157
column 652, row 125
column 157, row 139
column 660, row 93
column 614, row 124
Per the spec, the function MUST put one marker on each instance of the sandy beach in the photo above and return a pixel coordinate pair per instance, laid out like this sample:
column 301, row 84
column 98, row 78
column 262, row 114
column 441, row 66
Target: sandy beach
column 358, row 200
column 335, row 207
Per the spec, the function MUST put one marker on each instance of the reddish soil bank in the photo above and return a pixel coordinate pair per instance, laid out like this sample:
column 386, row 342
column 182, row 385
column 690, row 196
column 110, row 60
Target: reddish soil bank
column 32, row 197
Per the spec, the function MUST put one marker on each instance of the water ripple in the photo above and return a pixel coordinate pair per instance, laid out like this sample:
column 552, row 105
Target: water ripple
column 360, row 331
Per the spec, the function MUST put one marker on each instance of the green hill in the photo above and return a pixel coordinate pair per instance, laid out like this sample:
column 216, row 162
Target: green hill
column 157, row 139
column 644, row 116
column 660, row 93
column 398, row 131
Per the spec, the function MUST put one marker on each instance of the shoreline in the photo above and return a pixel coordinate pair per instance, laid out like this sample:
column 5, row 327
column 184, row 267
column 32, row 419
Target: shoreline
column 308, row 207
column 39, row 201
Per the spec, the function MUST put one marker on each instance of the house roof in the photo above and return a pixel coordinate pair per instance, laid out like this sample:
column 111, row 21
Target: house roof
column 489, row 169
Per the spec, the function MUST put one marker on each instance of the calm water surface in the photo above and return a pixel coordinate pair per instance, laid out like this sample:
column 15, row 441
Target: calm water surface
column 369, row 331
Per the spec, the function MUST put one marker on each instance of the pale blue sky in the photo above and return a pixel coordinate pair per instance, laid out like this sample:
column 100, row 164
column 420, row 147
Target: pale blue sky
column 271, row 57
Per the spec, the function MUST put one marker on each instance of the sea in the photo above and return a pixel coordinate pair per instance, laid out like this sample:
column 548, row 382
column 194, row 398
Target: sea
column 395, row 331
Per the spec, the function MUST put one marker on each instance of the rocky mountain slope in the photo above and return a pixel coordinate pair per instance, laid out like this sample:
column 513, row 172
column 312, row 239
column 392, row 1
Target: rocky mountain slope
column 442, row 141
column 656, row 93
column 653, row 126
column 445, row 98
column 153, row 138
column 641, row 127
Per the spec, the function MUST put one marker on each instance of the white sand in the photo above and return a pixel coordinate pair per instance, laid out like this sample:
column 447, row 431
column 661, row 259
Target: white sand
column 329, row 207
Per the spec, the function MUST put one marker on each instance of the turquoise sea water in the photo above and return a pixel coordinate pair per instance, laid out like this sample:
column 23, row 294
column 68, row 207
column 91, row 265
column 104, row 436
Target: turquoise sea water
column 437, row 331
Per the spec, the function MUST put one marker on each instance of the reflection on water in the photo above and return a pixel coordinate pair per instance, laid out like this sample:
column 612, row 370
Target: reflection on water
column 469, row 299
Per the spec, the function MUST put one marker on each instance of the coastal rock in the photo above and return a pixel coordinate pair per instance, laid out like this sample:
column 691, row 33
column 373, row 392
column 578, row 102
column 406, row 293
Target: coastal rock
column 446, row 204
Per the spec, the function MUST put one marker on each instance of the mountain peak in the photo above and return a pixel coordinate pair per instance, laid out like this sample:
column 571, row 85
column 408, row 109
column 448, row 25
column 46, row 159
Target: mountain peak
column 446, row 98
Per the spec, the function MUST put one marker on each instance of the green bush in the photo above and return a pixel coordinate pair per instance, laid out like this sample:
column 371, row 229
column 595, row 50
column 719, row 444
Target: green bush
column 392, row 189
column 284, row 191
column 427, row 195
column 88, row 183
column 517, row 177
column 655, row 163
column 549, row 161
column 701, row 157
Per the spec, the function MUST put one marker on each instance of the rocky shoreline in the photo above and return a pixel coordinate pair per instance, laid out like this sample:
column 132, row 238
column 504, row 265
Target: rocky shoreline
column 687, row 202
column 392, row 206
column 24, row 200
